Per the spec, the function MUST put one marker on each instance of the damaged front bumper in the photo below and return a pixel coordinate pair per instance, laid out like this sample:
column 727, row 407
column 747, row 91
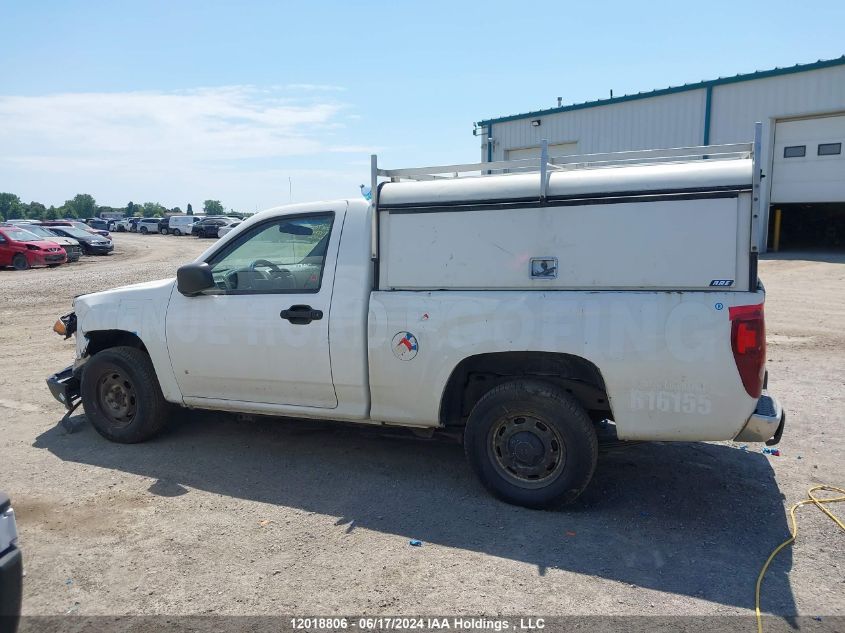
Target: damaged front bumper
column 65, row 387
column 766, row 423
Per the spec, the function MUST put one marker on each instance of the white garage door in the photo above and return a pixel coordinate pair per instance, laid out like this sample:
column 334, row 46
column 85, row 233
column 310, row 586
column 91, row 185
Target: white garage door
column 809, row 163
column 560, row 149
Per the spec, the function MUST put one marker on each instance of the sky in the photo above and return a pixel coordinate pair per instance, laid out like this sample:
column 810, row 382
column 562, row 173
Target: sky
column 260, row 103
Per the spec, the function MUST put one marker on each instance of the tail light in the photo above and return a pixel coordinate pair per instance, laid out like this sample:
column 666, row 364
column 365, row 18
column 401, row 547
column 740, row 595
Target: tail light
column 748, row 341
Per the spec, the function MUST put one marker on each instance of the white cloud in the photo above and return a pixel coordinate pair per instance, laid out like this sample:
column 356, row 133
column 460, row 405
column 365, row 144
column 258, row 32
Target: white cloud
column 157, row 145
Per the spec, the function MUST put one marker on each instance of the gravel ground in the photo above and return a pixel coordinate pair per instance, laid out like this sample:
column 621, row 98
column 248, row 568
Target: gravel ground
column 230, row 517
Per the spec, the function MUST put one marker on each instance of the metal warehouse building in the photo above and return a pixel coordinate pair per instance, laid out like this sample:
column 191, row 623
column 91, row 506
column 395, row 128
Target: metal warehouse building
column 802, row 109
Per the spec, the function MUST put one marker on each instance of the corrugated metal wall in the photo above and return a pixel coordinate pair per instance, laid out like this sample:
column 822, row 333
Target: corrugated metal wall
column 678, row 119
column 737, row 106
column 668, row 121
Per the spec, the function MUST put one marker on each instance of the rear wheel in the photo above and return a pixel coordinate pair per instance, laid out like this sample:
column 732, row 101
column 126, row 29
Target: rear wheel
column 19, row 262
column 164, row 231
column 144, row 230
column 122, row 397
column 531, row 444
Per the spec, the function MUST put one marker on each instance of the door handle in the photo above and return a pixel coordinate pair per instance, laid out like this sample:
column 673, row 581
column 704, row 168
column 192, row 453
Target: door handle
column 301, row 314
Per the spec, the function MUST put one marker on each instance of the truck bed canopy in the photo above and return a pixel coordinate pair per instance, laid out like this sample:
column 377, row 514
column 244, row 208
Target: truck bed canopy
column 680, row 219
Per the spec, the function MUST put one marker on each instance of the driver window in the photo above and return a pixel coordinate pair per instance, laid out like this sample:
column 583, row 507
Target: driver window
column 286, row 255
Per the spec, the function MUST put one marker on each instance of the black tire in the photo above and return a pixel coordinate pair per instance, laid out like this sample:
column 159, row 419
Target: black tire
column 164, row 231
column 121, row 228
column 122, row 397
column 177, row 232
column 547, row 462
column 19, row 262
column 143, row 230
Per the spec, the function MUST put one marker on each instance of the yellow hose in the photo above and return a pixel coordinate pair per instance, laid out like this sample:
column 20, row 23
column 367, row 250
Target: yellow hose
column 820, row 504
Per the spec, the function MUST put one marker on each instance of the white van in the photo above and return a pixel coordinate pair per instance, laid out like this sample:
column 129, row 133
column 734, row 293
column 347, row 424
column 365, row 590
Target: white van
column 181, row 224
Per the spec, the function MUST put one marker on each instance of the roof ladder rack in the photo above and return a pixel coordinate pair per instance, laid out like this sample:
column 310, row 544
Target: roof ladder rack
column 545, row 165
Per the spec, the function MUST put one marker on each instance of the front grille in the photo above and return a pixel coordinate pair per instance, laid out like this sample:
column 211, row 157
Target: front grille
column 72, row 251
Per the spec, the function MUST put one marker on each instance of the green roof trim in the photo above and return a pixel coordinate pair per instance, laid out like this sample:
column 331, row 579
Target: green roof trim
column 721, row 81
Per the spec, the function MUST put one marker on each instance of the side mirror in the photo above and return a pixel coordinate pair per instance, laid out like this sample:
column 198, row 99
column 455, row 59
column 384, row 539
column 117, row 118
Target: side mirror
column 192, row 279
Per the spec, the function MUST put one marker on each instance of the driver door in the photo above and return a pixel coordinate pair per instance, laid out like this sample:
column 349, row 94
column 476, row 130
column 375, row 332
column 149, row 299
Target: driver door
column 262, row 335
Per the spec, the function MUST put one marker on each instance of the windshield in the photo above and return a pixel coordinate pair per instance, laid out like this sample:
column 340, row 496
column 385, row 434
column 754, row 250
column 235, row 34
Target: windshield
column 41, row 232
column 74, row 232
column 19, row 235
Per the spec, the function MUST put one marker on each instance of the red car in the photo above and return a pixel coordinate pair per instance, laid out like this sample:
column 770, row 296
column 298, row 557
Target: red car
column 21, row 249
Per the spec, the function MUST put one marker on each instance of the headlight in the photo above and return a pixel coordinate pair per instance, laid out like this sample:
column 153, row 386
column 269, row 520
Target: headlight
column 66, row 325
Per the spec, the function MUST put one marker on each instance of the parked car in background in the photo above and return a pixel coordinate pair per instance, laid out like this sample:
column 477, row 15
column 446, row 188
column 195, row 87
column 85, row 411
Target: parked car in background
column 85, row 227
column 91, row 244
column 126, row 224
column 163, row 226
column 97, row 224
column 182, row 224
column 148, row 225
column 77, row 225
column 11, row 568
column 209, row 226
column 226, row 228
column 72, row 248
column 21, row 249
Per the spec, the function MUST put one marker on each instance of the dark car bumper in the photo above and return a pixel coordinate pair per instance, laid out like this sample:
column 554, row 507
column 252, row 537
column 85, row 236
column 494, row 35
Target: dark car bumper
column 64, row 386
column 94, row 249
column 11, row 570
column 11, row 589
column 53, row 258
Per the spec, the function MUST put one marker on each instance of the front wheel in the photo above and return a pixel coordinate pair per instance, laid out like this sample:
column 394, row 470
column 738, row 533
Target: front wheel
column 144, row 230
column 19, row 262
column 531, row 444
column 177, row 232
column 163, row 231
column 122, row 397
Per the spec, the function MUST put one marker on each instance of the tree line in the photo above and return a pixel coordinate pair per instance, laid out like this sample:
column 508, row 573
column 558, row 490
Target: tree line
column 83, row 205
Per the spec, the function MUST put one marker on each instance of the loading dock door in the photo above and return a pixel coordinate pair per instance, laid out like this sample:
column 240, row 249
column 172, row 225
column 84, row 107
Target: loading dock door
column 809, row 161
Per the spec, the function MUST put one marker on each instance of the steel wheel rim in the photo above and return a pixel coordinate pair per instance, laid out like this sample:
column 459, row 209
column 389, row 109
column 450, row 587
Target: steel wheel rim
column 527, row 451
column 117, row 398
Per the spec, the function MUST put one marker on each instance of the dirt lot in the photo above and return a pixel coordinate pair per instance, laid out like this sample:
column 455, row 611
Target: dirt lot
column 222, row 516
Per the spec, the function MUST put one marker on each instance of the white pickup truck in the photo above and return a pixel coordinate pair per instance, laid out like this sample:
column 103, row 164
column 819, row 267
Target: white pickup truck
column 528, row 303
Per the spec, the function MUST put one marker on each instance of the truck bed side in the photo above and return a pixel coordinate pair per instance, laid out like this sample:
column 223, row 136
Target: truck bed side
column 665, row 357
